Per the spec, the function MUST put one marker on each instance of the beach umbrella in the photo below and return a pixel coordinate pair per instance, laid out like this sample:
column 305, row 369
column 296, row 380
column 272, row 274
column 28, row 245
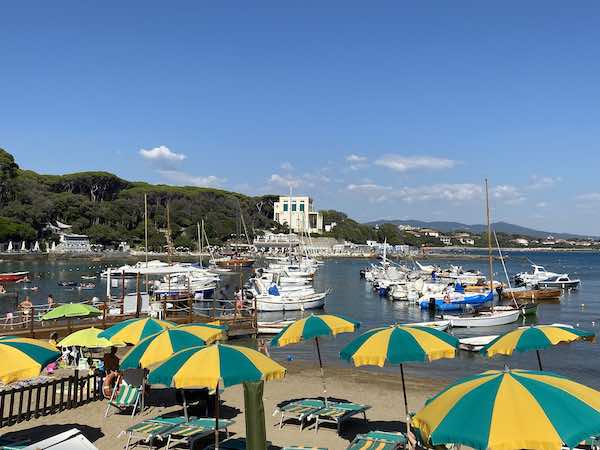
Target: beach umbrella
column 24, row 358
column 160, row 346
column 71, row 310
column 87, row 338
column 511, row 409
column 215, row 366
column 536, row 338
column 313, row 327
column 399, row 344
column 132, row 331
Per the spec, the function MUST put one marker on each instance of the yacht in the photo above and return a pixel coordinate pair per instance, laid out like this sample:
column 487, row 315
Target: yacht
column 537, row 274
column 560, row 281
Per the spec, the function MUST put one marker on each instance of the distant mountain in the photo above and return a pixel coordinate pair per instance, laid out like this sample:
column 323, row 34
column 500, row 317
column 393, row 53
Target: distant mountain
column 501, row 227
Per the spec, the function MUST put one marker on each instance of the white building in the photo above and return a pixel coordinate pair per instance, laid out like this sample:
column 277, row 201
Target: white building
column 521, row 241
column 298, row 212
column 446, row 240
column 69, row 242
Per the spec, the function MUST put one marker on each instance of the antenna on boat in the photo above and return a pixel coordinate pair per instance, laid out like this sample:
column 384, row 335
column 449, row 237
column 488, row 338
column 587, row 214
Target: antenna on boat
column 489, row 236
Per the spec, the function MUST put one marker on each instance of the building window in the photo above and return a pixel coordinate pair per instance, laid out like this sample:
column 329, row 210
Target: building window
column 302, row 207
column 276, row 217
column 285, row 206
column 293, row 207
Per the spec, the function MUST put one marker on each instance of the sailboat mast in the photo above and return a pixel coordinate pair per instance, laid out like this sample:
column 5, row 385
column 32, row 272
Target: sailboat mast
column 199, row 243
column 489, row 235
column 146, row 226
column 290, row 226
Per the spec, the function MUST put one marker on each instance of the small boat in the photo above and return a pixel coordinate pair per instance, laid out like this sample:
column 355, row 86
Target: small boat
column 485, row 318
column 475, row 344
column 537, row 274
column 524, row 293
column 88, row 277
column 560, row 282
column 87, row 286
column 273, row 327
column 440, row 325
column 288, row 303
column 13, row 276
column 455, row 301
column 235, row 262
column 67, row 283
column 527, row 309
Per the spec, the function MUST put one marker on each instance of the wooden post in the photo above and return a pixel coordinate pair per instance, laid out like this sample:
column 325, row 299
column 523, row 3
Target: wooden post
column 164, row 305
column 104, row 315
column 122, row 292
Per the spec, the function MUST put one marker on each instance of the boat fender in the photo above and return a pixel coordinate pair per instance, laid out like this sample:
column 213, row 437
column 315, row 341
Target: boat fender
column 109, row 383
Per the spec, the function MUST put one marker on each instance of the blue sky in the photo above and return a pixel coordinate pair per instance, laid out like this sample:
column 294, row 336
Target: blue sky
column 382, row 110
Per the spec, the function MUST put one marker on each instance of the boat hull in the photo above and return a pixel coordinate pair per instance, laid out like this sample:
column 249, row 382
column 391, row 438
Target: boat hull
column 559, row 284
column 531, row 294
column 236, row 262
column 271, row 303
column 485, row 319
column 13, row 276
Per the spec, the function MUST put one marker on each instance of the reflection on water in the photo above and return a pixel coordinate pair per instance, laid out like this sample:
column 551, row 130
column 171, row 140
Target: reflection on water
column 353, row 297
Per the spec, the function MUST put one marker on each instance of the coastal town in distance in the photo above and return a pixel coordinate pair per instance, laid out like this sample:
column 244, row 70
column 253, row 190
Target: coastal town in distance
column 278, row 226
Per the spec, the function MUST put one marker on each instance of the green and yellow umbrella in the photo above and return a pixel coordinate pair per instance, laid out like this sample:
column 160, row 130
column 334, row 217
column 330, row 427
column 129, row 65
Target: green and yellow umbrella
column 313, row 327
column 536, row 338
column 87, row 338
column 132, row 331
column 71, row 310
column 160, row 346
column 511, row 409
column 398, row 344
column 214, row 366
column 24, row 358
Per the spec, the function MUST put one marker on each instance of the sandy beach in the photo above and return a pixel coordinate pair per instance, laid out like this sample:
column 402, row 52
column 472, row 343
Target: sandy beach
column 383, row 391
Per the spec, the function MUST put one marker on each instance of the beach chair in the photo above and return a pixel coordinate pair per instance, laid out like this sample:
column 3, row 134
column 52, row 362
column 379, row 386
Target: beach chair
column 304, row 448
column 378, row 440
column 298, row 410
column 13, row 444
column 129, row 393
column 191, row 431
column 232, row 444
column 337, row 413
column 145, row 432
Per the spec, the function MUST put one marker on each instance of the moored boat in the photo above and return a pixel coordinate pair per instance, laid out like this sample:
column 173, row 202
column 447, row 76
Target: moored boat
column 476, row 343
column 13, row 276
column 235, row 262
column 441, row 325
column 559, row 282
column 523, row 293
column 485, row 318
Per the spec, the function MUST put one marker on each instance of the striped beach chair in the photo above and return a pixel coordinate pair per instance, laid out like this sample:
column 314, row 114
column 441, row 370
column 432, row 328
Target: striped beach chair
column 232, row 444
column 378, row 440
column 337, row 413
column 146, row 431
column 124, row 397
column 189, row 432
column 299, row 410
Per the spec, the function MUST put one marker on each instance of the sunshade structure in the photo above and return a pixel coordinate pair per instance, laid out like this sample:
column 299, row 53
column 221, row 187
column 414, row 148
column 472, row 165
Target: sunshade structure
column 212, row 367
column 132, row 331
column 24, row 358
column 536, row 338
column 87, row 338
column 160, row 346
column 511, row 409
column 399, row 344
column 72, row 310
column 313, row 327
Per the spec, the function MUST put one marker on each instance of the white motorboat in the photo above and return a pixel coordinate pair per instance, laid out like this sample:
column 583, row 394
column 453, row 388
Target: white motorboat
column 484, row 318
column 288, row 303
column 274, row 327
column 537, row 274
column 441, row 325
column 560, row 281
column 475, row 344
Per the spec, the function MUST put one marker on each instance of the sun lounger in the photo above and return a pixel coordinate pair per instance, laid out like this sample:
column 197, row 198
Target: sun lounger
column 338, row 413
column 378, row 440
column 232, row 444
column 146, row 431
column 299, row 410
column 189, row 432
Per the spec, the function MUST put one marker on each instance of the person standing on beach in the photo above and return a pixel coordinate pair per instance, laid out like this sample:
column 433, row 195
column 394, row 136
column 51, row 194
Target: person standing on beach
column 26, row 306
column 239, row 300
column 51, row 302
column 111, row 361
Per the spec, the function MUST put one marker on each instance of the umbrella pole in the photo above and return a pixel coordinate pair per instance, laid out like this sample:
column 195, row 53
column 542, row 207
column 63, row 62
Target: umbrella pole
column 185, row 408
column 404, row 391
column 537, row 352
column 217, row 413
column 322, row 371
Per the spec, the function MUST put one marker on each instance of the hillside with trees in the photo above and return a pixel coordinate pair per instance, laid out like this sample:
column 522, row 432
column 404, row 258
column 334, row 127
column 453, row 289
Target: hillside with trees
column 110, row 209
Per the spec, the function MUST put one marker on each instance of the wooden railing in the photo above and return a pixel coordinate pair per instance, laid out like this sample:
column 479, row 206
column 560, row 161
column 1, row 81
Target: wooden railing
column 22, row 403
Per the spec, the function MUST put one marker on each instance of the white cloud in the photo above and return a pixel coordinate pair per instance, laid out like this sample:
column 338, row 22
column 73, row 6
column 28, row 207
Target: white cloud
column 186, row 179
column 540, row 182
column 286, row 165
column 508, row 194
column 161, row 153
column 286, row 181
column 402, row 163
column 356, row 158
column 458, row 192
column 589, row 197
column 541, row 204
column 367, row 187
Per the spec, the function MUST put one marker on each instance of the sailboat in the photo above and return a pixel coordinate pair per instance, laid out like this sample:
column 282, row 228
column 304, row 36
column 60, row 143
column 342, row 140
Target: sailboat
column 495, row 315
